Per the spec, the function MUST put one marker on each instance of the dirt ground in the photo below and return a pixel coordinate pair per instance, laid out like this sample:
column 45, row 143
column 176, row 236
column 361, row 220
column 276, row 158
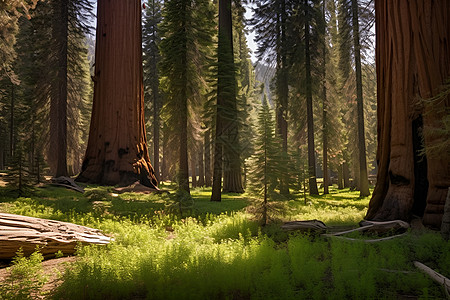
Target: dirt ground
column 52, row 269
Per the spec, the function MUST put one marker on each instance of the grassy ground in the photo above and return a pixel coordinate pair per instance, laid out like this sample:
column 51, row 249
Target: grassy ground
column 217, row 251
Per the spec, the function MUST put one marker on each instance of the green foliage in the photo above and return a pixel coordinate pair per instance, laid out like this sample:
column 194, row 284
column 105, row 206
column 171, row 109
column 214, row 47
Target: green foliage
column 179, row 203
column 25, row 277
column 268, row 165
column 185, row 58
column 98, row 194
column 157, row 255
column 18, row 177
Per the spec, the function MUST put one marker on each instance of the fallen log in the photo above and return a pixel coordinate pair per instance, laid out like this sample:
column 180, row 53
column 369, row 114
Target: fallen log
column 66, row 182
column 137, row 187
column 439, row 278
column 310, row 225
column 50, row 236
column 380, row 228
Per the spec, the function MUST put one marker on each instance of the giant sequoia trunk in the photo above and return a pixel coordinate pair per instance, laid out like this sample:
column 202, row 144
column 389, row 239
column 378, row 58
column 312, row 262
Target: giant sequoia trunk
column 413, row 62
column 117, row 148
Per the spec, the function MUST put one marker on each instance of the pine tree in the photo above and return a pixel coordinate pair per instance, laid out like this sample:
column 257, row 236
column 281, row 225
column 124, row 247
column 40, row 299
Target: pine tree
column 151, row 56
column 187, row 27
column 271, row 22
column 267, row 163
column 363, row 176
column 309, row 104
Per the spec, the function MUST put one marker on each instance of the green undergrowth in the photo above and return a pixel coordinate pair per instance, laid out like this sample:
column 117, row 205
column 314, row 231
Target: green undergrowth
column 217, row 250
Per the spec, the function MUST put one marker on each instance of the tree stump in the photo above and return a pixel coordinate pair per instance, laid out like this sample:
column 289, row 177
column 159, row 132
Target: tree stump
column 48, row 235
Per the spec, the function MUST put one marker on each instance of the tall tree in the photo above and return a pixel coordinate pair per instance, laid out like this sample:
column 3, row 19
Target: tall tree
column 226, row 146
column 187, row 27
column 117, row 147
column 266, row 163
column 271, row 23
column 363, row 179
column 414, row 35
column 151, row 40
column 309, row 106
column 58, row 103
column 326, row 178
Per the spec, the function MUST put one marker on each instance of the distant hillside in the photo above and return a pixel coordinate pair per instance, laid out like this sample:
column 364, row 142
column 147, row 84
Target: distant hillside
column 264, row 74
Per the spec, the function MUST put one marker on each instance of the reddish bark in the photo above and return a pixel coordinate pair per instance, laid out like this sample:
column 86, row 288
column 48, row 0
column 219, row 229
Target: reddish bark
column 117, row 148
column 413, row 63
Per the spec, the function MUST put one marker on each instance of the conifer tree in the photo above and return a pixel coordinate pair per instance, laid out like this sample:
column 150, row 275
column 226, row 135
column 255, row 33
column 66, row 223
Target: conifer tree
column 151, row 56
column 117, row 147
column 309, row 104
column 187, row 27
column 363, row 176
column 271, row 23
column 226, row 146
column 266, row 164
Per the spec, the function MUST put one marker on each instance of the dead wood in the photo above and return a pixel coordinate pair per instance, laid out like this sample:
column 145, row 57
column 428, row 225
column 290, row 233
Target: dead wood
column 381, row 228
column 137, row 187
column 49, row 235
column 66, row 182
column 439, row 278
column 310, row 225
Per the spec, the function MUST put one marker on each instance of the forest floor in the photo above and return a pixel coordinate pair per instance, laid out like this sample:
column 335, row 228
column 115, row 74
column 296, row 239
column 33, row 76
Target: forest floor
column 219, row 250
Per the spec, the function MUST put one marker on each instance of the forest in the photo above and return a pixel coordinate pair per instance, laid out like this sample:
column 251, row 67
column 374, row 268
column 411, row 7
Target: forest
column 224, row 149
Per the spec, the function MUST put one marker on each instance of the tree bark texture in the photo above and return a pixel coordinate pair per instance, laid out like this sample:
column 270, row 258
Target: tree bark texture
column 413, row 62
column 201, row 168
column 59, row 87
column 117, row 151
column 309, row 109
column 363, row 177
column 11, row 122
column 156, row 130
column 208, row 175
column 226, row 139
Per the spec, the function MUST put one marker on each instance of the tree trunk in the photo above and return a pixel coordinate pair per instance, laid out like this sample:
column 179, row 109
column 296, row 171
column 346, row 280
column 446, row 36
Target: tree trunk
column 208, row 175
column 282, row 91
column 413, row 62
column 341, row 177
column 309, row 109
column 156, row 125
column 59, row 86
column 164, row 167
column 346, row 174
column 326, row 178
column 363, row 177
column 117, row 151
column 227, row 89
column 226, row 139
column 201, row 168
column 11, row 122
column 194, row 170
